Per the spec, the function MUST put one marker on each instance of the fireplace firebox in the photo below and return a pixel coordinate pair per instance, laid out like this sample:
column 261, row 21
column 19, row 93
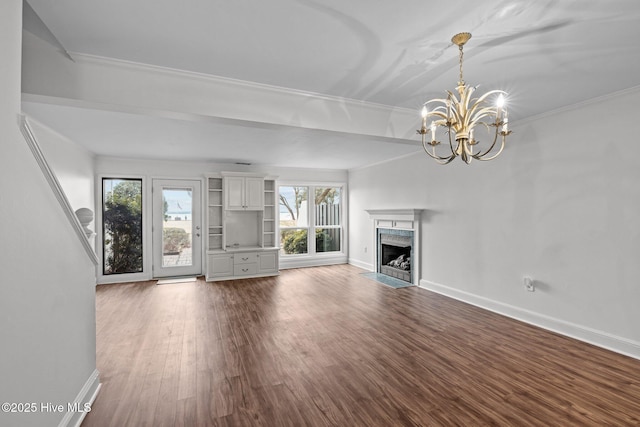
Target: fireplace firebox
column 395, row 253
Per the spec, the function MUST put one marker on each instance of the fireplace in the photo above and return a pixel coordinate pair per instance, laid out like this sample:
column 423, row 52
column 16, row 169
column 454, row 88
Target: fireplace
column 395, row 253
column 397, row 240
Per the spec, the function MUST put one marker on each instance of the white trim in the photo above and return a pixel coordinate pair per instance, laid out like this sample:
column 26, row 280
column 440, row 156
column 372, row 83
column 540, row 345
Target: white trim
column 407, row 219
column 579, row 105
column 56, row 187
column 301, row 261
column 314, row 258
column 87, row 395
column 197, row 214
column 598, row 338
column 361, row 264
column 147, row 272
column 395, row 214
column 192, row 75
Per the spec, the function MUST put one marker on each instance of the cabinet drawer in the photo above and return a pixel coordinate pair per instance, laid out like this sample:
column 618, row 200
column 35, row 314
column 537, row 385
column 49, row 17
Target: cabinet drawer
column 245, row 269
column 245, row 258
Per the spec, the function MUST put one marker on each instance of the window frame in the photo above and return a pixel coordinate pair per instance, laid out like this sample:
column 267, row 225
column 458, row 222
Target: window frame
column 313, row 257
column 146, row 273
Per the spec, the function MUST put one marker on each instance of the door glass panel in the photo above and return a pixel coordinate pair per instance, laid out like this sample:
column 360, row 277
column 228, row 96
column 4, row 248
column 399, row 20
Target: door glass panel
column 177, row 227
column 122, row 225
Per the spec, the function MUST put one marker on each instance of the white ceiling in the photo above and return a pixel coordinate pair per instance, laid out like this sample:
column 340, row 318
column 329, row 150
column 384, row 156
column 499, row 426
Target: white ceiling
column 546, row 54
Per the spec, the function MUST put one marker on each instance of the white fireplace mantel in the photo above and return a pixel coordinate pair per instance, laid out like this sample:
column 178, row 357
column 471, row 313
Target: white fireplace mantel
column 395, row 214
column 399, row 219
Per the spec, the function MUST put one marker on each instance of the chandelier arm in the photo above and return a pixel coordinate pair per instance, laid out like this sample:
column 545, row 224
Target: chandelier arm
column 488, row 150
column 465, row 96
column 478, row 102
column 455, row 104
column 440, row 160
column 442, row 100
column 479, row 115
column 440, row 114
column 483, row 159
column 491, row 92
column 451, row 143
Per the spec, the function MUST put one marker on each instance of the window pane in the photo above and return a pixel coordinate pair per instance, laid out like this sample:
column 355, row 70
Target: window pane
column 294, row 241
column 122, row 225
column 294, row 206
column 177, row 227
column 327, row 239
column 327, row 206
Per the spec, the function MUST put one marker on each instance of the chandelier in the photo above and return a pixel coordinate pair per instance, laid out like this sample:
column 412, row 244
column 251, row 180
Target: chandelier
column 459, row 117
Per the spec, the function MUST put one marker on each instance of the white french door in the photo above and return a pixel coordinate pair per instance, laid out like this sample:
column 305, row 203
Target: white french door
column 177, row 228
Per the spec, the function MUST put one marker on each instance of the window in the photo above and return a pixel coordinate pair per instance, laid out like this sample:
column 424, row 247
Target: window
column 121, row 226
column 310, row 225
column 294, row 214
column 327, row 219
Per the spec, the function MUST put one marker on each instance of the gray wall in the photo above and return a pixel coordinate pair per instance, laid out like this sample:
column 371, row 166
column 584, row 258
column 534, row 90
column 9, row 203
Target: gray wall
column 47, row 292
column 560, row 204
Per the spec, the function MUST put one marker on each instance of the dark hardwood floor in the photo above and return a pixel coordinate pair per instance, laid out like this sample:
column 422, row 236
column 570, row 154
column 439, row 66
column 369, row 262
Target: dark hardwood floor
column 328, row 347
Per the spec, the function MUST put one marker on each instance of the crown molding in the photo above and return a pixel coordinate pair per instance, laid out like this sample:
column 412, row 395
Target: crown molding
column 220, row 80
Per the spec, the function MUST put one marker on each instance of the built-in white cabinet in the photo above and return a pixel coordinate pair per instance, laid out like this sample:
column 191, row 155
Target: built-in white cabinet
column 241, row 224
column 243, row 193
column 268, row 261
column 242, row 263
column 219, row 266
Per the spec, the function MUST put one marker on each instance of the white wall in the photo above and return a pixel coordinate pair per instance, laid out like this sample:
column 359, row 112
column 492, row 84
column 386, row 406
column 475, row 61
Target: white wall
column 73, row 165
column 560, row 204
column 47, row 292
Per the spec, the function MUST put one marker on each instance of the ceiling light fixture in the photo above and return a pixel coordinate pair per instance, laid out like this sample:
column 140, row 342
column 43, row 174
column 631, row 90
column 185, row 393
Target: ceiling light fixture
column 459, row 116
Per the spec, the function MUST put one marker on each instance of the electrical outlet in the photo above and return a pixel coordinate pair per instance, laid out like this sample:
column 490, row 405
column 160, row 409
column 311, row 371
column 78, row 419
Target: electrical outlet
column 365, row 249
column 528, row 284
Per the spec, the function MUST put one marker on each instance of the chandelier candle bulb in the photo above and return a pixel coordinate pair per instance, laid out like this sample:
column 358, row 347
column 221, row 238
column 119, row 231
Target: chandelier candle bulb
column 500, row 104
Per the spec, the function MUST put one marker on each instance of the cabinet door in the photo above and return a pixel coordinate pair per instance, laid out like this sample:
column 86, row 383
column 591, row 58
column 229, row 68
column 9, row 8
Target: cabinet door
column 254, row 194
column 220, row 265
column 268, row 262
column 234, row 193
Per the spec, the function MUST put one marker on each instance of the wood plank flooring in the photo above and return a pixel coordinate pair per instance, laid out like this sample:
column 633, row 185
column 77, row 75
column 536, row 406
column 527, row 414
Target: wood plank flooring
column 327, row 347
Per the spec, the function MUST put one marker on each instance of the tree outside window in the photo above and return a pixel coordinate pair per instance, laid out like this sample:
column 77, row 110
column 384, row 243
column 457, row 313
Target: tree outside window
column 122, row 225
column 296, row 222
column 294, row 219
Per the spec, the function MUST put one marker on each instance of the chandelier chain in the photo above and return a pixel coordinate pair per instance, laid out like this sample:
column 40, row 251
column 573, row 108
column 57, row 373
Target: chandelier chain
column 461, row 54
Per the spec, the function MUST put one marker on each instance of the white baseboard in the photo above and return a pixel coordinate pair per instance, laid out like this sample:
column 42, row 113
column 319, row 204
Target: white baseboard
column 363, row 265
column 86, row 396
column 592, row 336
column 303, row 261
